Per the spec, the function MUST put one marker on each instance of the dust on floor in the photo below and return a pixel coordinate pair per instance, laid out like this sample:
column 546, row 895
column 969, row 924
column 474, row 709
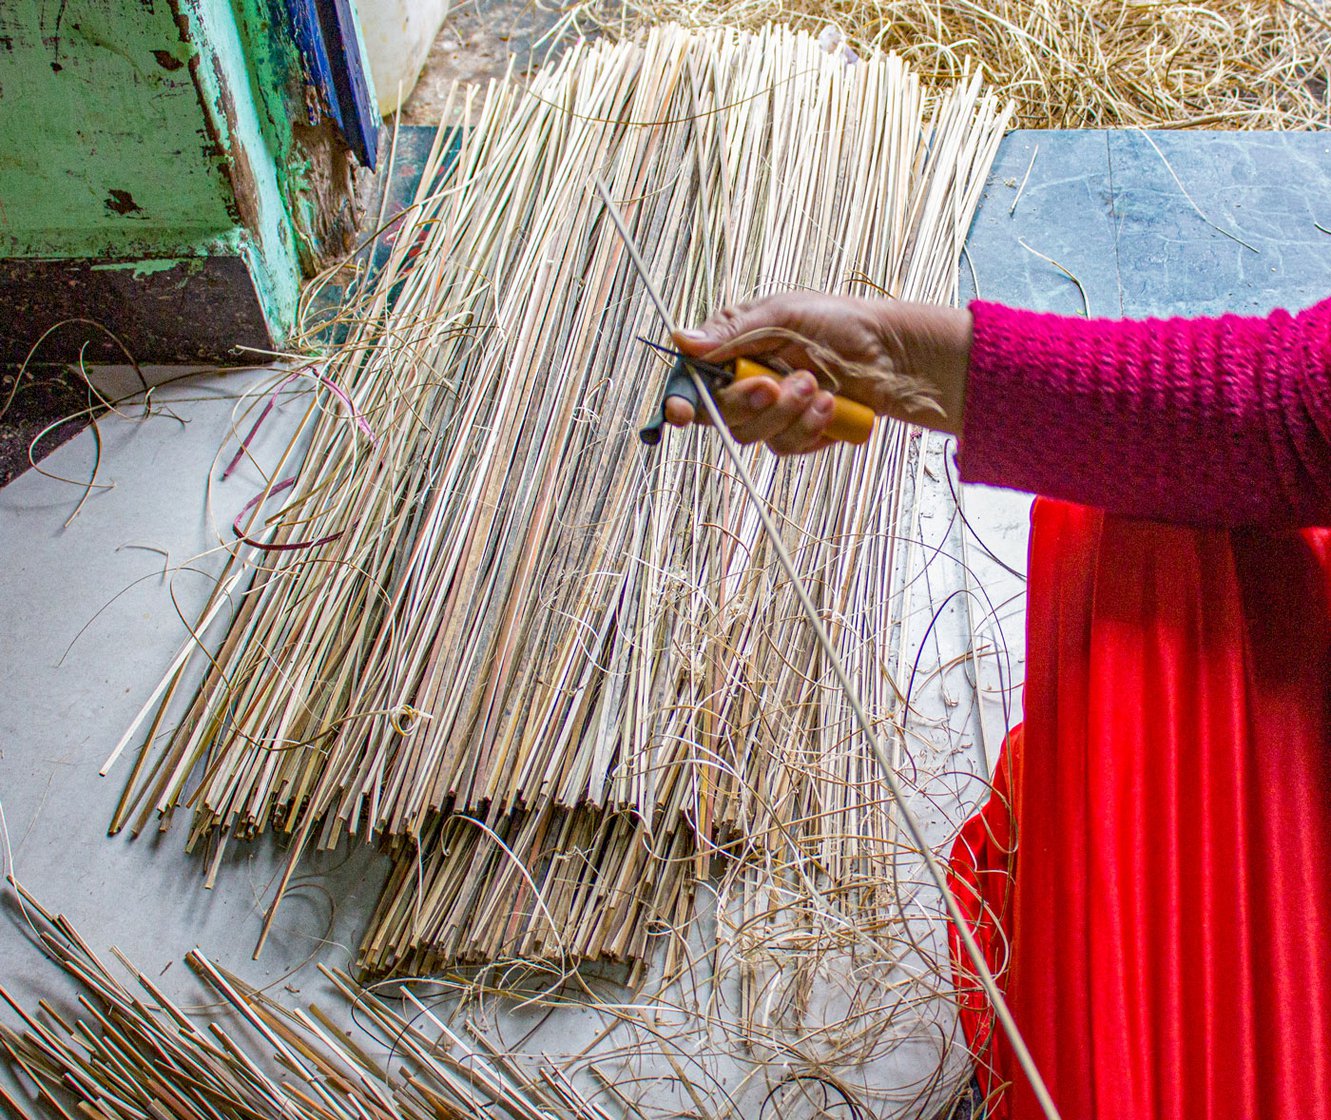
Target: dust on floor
column 476, row 43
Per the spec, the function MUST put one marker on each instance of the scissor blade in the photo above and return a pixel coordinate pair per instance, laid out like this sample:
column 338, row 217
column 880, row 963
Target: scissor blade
column 718, row 376
column 634, row 255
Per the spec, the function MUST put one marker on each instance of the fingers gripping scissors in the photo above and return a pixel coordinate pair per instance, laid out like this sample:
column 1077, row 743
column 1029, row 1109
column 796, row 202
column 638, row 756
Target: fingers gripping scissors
column 850, row 421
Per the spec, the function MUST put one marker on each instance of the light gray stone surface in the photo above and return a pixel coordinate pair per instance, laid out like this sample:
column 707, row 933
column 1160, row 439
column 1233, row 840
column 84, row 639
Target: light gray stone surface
column 88, row 624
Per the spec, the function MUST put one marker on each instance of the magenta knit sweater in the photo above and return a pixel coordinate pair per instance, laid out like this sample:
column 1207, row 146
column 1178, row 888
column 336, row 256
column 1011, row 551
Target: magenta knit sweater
column 1207, row 421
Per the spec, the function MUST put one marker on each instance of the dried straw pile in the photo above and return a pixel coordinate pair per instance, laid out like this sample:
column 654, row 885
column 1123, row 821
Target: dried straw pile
column 1095, row 64
column 128, row 1052
column 555, row 673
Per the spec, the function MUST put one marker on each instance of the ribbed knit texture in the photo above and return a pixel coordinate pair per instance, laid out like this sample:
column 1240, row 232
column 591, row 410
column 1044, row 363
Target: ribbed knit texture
column 1203, row 421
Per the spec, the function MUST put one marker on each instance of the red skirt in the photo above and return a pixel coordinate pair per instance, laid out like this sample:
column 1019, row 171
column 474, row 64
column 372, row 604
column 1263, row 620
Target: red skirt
column 1163, row 925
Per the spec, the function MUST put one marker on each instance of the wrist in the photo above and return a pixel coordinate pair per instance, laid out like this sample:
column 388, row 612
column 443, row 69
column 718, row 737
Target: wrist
column 929, row 346
column 953, row 365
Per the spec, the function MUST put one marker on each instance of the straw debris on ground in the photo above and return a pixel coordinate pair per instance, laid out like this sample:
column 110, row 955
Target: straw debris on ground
column 1248, row 64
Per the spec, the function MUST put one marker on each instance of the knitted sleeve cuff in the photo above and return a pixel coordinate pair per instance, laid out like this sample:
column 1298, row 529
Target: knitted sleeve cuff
column 1205, row 421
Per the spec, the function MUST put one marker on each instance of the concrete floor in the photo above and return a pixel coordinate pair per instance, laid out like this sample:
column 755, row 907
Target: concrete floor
column 475, row 44
column 88, row 619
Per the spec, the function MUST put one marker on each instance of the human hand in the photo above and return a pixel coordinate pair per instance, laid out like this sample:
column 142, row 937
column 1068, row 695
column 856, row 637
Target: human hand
column 905, row 360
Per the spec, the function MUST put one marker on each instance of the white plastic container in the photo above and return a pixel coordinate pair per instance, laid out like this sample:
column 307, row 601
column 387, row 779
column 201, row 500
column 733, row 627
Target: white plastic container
column 398, row 35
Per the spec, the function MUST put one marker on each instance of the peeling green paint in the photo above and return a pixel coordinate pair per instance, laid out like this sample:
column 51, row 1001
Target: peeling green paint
column 227, row 78
column 102, row 149
column 152, row 132
column 141, row 268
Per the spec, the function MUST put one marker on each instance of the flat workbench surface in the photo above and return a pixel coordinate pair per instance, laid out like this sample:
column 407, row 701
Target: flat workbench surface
column 1148, row 224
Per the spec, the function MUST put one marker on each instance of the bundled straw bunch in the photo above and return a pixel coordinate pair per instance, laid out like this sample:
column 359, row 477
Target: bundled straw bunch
column 134, row 1054
column 555, row 673
column 1096, row 64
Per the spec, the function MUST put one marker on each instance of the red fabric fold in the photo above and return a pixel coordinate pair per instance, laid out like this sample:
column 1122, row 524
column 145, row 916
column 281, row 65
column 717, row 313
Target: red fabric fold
column 1165, row 914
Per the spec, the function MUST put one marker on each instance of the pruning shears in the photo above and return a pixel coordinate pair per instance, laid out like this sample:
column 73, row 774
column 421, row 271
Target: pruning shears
column 851, row 421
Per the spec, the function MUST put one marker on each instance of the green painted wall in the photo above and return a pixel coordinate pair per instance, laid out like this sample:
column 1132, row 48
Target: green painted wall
column 97, row 102
column 152, row 130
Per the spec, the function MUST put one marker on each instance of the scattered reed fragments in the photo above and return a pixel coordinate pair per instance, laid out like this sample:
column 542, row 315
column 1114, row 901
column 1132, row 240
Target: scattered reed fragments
column 131, row 1053
column 555, row 673
column 1097, row 64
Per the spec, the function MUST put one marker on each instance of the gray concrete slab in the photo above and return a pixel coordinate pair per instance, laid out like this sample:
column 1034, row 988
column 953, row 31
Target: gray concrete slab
column 1151, row 223
column 91, row 615
column 88, row 623
column 1269, row 190
column 1060, row 185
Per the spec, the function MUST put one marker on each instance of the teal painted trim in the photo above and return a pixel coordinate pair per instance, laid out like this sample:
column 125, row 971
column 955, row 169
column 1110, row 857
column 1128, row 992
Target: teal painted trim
column 314, row 167
column 279, row 293
column 225, row 77
column 276, row 81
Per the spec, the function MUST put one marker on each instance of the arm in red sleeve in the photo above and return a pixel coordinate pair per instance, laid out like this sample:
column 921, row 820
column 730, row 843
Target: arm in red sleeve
column 1204, row 421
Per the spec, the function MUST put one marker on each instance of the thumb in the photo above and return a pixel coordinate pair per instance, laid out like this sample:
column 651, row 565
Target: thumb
column 695, row 342
column 720, row 339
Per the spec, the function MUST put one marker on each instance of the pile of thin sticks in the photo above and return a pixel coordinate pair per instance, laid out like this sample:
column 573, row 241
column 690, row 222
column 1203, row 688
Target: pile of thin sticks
column 137, row 1055
column 555, row 673
column 118, row 1046
column 1096, row 64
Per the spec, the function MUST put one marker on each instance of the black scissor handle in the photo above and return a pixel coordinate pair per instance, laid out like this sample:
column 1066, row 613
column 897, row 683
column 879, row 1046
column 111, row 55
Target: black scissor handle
column 679, row 384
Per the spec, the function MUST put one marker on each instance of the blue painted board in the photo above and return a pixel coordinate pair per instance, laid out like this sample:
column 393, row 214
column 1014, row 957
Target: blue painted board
column 325, row 31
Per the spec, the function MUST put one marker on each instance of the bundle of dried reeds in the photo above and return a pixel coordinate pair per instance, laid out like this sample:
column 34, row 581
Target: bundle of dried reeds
column 588, row 885
column 556, row 673
column 137, row 1055
column 1097, row 64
